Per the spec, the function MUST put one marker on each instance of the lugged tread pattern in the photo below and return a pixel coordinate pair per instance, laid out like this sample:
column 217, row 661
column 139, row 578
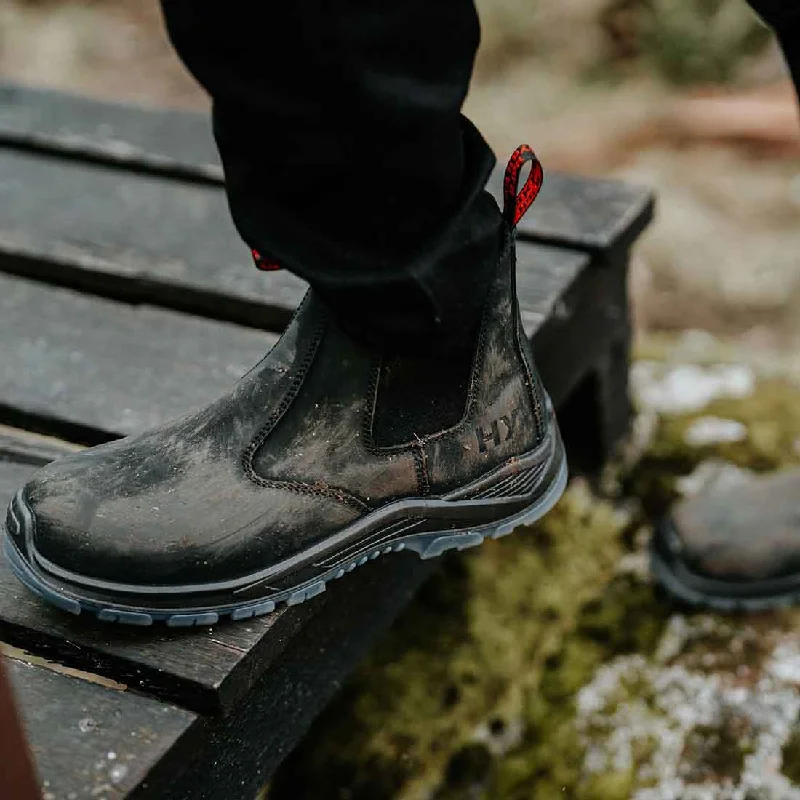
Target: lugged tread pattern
column 426, row 545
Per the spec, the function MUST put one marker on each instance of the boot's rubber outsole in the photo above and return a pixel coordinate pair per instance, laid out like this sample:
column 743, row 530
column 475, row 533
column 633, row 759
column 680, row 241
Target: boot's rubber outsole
column 427, row 545
column 706, row 593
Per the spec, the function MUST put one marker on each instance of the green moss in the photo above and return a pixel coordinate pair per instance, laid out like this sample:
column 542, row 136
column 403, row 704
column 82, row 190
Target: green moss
column 472, row 647
column 611, row 786
column 772, row 418
column 791, row 757
column 684, row 41
column 625, row 618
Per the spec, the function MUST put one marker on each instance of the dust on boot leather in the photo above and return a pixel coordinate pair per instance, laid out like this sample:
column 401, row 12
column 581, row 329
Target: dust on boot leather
column 321, row 458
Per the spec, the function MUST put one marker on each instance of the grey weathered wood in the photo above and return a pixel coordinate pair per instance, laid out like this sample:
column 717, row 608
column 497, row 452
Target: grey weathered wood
column 95, row 742
column 107, row 369
column 73, row 723
column 136, row 237
column 240, row 751
column 584, row 214
column 166, row 141
column 96, row 368
column 142, row 239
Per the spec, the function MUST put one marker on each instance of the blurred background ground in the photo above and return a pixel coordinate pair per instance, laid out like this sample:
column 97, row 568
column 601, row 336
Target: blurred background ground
column 545, row 665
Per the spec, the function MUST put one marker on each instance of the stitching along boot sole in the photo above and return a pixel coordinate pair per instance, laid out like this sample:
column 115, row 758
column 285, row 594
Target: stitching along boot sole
column 298, row 579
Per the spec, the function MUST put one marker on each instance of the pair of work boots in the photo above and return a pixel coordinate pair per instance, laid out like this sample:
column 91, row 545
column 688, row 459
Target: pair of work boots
column 328, row 454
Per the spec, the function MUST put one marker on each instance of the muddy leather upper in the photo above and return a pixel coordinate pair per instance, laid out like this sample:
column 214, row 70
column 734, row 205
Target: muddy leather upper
column 283, row 460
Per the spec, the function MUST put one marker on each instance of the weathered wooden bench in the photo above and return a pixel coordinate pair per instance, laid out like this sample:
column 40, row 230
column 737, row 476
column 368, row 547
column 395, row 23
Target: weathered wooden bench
column 126, row 298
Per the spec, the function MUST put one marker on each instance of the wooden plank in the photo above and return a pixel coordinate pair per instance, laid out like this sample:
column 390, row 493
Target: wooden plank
column 142, row 239
column 584, row 214
column 106, row 369
column 167, row 141
column 147, row 365
column 135, row 237
column 92, row 741
column 74, row 723
column 241, row 750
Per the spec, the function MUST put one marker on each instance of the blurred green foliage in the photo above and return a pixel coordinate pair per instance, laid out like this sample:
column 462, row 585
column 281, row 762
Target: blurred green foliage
column 699, row 41
column 680, row 41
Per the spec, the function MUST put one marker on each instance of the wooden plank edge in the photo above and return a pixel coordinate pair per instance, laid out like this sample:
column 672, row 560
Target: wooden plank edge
column 128, row 158
column 634, row 223
column 139, row 289
column 26, row 447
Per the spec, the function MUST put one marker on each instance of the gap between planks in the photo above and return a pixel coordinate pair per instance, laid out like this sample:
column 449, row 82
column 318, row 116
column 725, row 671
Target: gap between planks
column 23, row 656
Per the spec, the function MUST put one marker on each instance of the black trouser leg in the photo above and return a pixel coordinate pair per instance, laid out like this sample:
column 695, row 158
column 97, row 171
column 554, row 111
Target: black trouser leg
column 346, row 156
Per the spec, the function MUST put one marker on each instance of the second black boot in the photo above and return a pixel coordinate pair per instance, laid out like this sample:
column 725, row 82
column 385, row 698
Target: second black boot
column 326, row 455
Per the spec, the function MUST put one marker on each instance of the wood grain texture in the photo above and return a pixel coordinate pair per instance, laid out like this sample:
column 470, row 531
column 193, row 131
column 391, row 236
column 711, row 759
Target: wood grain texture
column 111, row 369
column 165, row 141
column 140, row 238
column 576, row 212
column 145, row 240
column 92, row 742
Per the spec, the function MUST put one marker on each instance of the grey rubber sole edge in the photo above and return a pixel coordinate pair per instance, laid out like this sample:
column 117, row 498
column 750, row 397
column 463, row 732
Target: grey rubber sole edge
column 665, row 576
column 426, row 545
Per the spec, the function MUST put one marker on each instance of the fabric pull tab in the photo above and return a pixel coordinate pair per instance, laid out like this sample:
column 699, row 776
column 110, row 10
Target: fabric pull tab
column 262, row 263
column 517, row 201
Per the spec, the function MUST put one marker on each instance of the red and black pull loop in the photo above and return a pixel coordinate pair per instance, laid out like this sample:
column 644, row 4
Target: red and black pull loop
column 517, row 201
column 263, row 263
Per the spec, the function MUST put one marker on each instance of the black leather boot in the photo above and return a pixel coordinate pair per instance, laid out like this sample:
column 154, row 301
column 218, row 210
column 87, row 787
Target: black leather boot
column 327, row 454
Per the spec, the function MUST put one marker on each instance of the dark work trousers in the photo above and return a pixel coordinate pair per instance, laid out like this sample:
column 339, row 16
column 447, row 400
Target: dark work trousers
column 346, row 157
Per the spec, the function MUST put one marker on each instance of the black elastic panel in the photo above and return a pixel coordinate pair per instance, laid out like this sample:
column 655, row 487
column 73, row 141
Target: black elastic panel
column 421, row 395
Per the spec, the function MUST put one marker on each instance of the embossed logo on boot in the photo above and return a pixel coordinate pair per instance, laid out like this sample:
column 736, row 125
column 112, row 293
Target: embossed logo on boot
column 500, row 432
